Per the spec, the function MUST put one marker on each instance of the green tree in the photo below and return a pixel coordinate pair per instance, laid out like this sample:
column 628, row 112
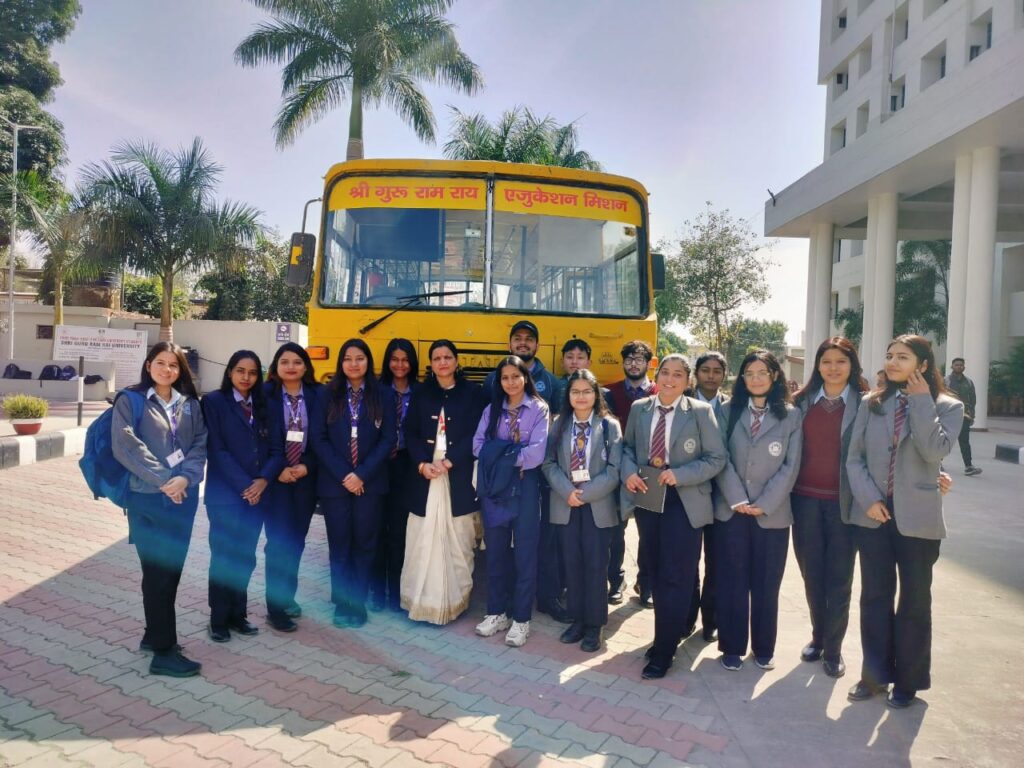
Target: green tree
column 745, row 335
column 254, row 289
column 518, row 136
column 370, row 52
column 669, row 342
column 144, row 295
column 155, row 211
column 922, row 288
column 850, row 322
column 711, row 271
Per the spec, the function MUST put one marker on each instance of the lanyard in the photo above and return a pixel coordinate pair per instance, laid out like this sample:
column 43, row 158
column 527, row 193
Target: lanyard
column 294, row 411
column 581, row 450
column 355, row 395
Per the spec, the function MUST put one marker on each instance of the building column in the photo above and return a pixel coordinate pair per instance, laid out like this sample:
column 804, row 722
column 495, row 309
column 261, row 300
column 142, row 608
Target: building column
column 885, row 278
column 981, row 253
column 868, row 289
column 825, row 242
column 810, row 312
column 958, row 259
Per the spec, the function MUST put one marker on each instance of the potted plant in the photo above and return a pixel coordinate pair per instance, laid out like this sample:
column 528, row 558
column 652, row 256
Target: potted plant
column 26, row 412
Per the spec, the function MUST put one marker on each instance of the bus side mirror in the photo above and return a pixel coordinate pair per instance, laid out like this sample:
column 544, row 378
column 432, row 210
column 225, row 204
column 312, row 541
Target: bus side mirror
column 300, row 261
column 658, row 272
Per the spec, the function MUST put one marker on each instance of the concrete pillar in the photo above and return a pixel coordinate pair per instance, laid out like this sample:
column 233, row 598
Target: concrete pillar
column 812, row 296
column 958, row 259
column 885, row 277
column 981, row 252
column 868, row 290
column 825, row 242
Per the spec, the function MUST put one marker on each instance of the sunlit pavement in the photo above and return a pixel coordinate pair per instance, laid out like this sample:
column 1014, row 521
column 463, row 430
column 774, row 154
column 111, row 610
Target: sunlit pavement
column 74, row 689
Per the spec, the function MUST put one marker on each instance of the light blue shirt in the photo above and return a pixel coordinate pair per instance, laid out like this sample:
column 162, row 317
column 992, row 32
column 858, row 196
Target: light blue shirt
column 821, row 394
column 176, row 397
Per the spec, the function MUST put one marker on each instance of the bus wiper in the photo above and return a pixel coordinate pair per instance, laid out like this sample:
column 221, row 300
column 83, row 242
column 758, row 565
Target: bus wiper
column 408, row 301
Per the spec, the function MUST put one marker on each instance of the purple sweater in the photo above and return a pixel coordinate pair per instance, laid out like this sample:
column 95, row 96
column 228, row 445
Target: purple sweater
column 533, row 430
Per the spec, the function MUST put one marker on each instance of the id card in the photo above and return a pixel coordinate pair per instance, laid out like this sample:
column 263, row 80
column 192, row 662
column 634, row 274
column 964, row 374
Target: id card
column 175, row 458
column 355, row 432
column 581, row 475
column 295, row 436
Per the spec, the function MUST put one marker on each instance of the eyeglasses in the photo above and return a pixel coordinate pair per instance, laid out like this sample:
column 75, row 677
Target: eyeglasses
column 756, row 375
column 635, row 360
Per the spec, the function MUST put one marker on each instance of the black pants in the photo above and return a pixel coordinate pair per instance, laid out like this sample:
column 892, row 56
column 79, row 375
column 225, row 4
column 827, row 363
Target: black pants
column 585, row 547
column 160, row 531
column 550, row 561
column 824, row 549
column 750, row 561
column 703, row 600
column 671, row 551
column 386, row 575
column 353, row 525
column 896, row 637
column 287, row 524
column 512, row 570
column 965, row 442
column 234, row 535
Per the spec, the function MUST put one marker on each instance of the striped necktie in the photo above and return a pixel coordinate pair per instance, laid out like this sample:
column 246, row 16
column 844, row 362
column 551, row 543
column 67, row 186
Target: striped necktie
column 355, row 398
column 246, row 410
column 293, row 448
column 399, row 402
column 897, row 428
column 756, row 416
column 579, row 446
column 513, row 423
column 659, row 449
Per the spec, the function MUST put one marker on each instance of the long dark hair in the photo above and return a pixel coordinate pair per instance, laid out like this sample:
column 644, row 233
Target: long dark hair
column 856, row 380
column 777, row 396
column 290, row 346
column 259, row 403
column 386, row 376
column 498, row 394
column 565, row 409
column 922, row 349
column 185, row 383
column 338, row 386
column 459, row 374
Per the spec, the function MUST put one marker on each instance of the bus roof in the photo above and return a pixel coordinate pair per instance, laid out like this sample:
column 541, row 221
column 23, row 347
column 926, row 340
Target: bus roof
column 482, row 167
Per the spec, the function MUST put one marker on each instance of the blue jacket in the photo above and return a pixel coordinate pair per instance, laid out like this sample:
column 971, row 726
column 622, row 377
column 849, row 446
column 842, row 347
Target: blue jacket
column 237, row 452
column 312, row 394
column 497, row 481
column 331, row 444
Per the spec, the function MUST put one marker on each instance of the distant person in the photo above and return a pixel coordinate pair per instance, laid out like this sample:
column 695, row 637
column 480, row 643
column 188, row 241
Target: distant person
column 576, row 355
column 523, row 342
column 880, row 378
column 962, row 388
column 636, row 359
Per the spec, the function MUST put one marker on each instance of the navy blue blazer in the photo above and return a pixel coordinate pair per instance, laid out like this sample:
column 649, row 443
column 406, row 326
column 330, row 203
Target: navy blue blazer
column 331, row 444
column 312, row 394
column 237, row 453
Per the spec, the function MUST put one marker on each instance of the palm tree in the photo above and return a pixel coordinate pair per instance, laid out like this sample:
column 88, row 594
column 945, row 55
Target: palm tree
column 370, row 52
column 155, row 211
column 518, row 136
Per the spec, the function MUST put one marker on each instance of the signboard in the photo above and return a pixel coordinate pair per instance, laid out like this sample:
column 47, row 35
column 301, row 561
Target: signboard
column 573, row 202
column 284, row 332
column 409, row 192
column 126, row 349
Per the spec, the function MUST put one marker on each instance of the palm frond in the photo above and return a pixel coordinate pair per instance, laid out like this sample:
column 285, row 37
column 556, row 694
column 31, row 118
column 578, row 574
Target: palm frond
column 403, row 95
column 307, row 103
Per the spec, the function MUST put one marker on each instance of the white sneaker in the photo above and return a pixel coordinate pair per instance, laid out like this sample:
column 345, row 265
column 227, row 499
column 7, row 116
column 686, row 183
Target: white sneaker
column 516, row 636
column 493, row 623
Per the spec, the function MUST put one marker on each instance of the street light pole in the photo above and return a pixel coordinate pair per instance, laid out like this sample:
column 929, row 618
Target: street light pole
column 15, row 127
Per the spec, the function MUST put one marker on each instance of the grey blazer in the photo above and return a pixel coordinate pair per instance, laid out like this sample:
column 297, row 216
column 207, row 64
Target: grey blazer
column 599, row 491
column 693, row 427
column 929, row 434
column 763, row 471
column 845, row 433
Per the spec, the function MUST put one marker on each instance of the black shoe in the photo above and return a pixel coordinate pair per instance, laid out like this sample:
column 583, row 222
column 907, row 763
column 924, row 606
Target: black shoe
column 649, row 653
column 357, row 617
column 556, row 612
column 709, row 634
column 342, row 617
column 243, row 627
column 293, row 611
column 146, row 647
column 835, row 668
column 615, row 596
column 173, row 664
column 282, row 623
column 731, row 662
column 573, row 633
column 646, row 600
column 376, row 602
column 655, row 670
column 219, row 634
column 592, row 639
column 897, row 699
column 972, row 471
column 811, row 652
column 863, row 691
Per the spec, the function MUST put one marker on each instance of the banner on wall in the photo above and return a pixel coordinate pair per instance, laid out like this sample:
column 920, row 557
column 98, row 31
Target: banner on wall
column 126, row 349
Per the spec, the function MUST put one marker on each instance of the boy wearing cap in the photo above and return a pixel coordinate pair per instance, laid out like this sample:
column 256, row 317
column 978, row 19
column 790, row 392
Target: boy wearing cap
column 523, row 341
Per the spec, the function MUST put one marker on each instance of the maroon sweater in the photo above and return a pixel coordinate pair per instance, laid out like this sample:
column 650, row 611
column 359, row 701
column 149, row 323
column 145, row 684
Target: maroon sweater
column 822, row 451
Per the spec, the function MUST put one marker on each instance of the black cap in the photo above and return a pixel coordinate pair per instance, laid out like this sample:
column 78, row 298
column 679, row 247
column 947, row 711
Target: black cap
column 524, row 325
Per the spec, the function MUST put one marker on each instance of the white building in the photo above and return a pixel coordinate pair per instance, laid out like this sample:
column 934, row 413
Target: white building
column 924, row 139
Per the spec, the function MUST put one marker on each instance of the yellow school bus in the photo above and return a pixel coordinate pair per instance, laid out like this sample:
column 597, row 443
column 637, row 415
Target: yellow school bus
column 430, row 249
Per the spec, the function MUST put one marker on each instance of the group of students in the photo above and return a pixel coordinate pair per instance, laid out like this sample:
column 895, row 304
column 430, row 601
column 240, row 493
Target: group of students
column 399, row 469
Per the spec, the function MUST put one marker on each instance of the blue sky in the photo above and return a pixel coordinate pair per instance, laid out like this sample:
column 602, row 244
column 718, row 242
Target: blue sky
column 700, row 100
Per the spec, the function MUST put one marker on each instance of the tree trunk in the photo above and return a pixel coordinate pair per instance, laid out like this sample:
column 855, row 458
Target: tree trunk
column 58, row 300
column 355, row 125
column 166, row 318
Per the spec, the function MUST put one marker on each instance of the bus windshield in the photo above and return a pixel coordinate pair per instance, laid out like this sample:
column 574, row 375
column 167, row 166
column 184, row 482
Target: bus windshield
column 428, row 236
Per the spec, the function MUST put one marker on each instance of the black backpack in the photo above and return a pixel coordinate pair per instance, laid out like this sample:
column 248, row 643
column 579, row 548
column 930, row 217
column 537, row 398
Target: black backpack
column 12, row 371
column 50, row 373
column 67, row 373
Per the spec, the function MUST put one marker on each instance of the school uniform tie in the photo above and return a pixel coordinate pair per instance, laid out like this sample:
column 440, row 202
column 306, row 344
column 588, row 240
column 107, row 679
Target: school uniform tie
column 897, row 428
column 246, row 410
column 579, row 446
column 659, row 449
column 756, row 416
column 513, row 423
column 398, row 421
column 293, row 448
column 355, row 397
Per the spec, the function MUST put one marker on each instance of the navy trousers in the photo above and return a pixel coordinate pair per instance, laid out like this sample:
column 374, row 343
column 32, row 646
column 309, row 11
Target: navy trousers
column 703, row 601
column 287, row 525
column 824, row 549
column 750, row 561
column 896, row 636
column 386, row 575
column 353, row 525
column 512, row 570
column 671, row 551
column 585, row 547
column 160, row 531
column 234, row 535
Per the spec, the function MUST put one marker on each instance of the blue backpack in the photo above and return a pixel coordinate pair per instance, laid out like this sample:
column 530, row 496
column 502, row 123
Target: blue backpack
column 106, row 477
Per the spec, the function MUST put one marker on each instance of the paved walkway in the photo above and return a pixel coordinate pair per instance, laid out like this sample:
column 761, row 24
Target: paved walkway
column 74, row 689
